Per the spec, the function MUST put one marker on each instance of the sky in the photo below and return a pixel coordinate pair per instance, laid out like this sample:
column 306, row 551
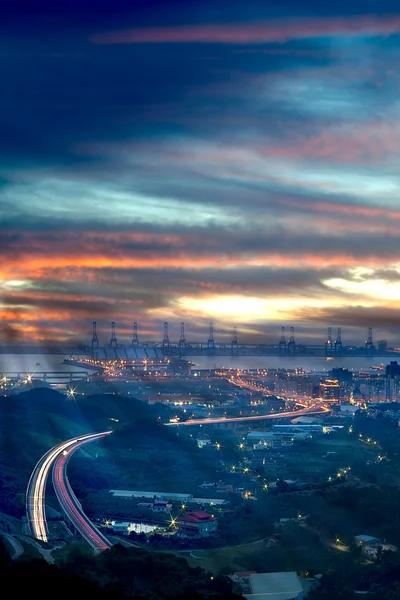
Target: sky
column 199, row 161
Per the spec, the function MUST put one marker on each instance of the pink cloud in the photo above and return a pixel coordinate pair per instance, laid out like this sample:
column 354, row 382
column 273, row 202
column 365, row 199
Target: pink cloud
column 255, row 33
column 365, row 144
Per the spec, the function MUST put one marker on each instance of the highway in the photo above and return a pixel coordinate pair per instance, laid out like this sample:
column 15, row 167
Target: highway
column 70, row 504
column 36, row 490
column 312, row 410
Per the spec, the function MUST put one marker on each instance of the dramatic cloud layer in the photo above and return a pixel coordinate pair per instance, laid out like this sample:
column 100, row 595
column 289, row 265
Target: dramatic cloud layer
column 237, row 165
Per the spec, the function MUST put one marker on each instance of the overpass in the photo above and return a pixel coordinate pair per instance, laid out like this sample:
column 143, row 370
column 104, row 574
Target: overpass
column 47, row 376
column 57, row 459
column 36, row 490
column 312, row 410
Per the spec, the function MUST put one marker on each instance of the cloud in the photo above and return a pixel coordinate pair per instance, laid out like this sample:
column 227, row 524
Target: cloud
column 263, row 167
column 257, row 33
column 384, row 319
column 194, row 248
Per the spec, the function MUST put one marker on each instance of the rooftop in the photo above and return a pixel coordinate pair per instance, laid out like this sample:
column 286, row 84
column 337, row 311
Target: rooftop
column 367, row 539
column 197, row 516
column 275, row 586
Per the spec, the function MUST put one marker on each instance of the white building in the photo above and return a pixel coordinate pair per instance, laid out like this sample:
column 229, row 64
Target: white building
column 125, row 528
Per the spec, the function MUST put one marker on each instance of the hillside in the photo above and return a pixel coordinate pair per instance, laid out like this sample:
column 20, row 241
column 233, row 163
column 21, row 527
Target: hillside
column 140, row 454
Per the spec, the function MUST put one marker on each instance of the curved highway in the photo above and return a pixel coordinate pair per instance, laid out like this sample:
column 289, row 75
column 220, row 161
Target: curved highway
column 313, row 410
column 71, row 505
column 36, row 490
column 58, row 457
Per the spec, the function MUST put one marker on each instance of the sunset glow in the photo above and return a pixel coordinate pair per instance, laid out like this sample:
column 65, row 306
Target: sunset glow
column 240, row 168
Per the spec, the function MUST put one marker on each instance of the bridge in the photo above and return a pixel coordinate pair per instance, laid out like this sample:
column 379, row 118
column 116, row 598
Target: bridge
column 53, row 376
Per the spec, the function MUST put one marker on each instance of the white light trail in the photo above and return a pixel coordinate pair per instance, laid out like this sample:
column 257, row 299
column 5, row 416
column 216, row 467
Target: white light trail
column 35, row 497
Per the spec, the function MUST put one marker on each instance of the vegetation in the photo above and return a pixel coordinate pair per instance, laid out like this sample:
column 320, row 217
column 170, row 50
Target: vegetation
column 380, row 581
column 143, row 454
column 114, row 574
column 140, row 573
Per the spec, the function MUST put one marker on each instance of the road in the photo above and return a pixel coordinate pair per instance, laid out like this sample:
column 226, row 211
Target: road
column 45, row 553
column 70, row 504
column 335, row 544
column 312, row 410
column 17, row 547
column 36, row 490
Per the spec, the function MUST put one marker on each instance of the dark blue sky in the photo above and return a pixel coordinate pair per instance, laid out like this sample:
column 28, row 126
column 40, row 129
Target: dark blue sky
column 234, row 162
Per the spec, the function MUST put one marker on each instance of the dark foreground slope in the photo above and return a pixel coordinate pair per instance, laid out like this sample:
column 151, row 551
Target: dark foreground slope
column 116, row 573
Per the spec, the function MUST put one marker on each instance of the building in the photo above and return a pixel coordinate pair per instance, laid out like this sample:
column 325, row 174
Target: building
column 242, row 577
column 180, row 367
column 310, row 427
column 196, row 524
column 342, row 375
column 367, row 540
column 270, row 439
column 156, row 505
column 275, row 586
column 295, row 386
column 392, row 370
column 392, row 389
column 373, row 390
column 306, row 421
column 161, row 506
column 173, row 497
column 203, row 441
column 209, row 501
column 382, row 345
column 125, row 528
column 121, row 527
column 330, row 390
column 373, row 551
column 349, row 409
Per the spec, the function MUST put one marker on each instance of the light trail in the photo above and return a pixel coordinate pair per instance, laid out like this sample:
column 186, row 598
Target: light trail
column 312, row 410
column 36, row 490
column 70, row 503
